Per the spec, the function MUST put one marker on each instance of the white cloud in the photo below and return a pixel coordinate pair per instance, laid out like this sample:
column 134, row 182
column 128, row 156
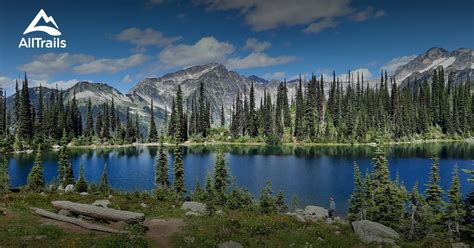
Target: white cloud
column 45, row 65
column 269, row 14
column 206, row 50
column 277, row 75
column 254, row 45
column 392, row 65
column 255, row 60
column 146, row 37
column 110, row 65
column 365, row 72
column 367, row 14
column 126, row 79
column 317, row 27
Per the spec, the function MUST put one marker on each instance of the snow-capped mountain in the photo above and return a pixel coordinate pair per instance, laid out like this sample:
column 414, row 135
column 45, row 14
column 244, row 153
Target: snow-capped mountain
column 458, row 61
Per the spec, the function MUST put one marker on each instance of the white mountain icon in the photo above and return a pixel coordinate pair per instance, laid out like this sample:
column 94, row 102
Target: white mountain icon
column 47, row 19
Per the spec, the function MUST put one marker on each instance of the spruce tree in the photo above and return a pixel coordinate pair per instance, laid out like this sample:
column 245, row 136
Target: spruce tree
column 434, row 191
column 35, row 177
column 358, row 197
column 178, row 169
column 267, row 202
column 24, row 130
column 81, row 185
column 89, row 130
column 65, row 167
column 161, row 180
column 455, row 211
column 104, row 185
column 4, row 179
column 153, row 133
column 280, row 202
column 222, row 115
column 221, row 177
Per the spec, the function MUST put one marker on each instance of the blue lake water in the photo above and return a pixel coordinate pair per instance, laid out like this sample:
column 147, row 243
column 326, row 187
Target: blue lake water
column 312, row 173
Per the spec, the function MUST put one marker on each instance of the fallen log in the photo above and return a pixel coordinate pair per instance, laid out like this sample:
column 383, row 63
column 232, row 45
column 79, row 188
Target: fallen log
column 99, row 212
column 78, row 222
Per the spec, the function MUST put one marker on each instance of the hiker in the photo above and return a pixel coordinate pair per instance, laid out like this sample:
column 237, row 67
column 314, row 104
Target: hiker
column 332, row 207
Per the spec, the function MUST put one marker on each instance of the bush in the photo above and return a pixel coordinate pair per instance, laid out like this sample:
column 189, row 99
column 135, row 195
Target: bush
column 273, row 140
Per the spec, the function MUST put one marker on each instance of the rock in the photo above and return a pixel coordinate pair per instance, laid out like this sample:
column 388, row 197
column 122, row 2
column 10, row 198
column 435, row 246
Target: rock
column 230, row 244
column 299, row 211
column 83, row 193
column 69, row 188
column 195, row 207
column 298, row 216
column 102, row 203
column 369, row 231
column 60, row 188
column 56, row 148
column 64, row 212
column 337, row 232
column 3, row 211
column 110, row 196
column 315, row 212
column 143, row 205
column 220, row 212
column 459, row 245
column 191, row 213
column 42, row 194
column 189, row 240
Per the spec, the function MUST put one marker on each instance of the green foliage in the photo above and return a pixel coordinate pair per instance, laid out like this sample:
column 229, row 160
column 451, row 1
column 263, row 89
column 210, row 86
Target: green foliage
column 161, row 169
column 267, row 201
column 178, row 169
column 455, row 212
column 221, row 177
column 357, row 199
column 239, row 198
column 65, row 167
column 153, row 133
column 104, row 186
column 4, row 179
column 280, row 202
column 81, row 185
column 434, row 191
column 35, row 177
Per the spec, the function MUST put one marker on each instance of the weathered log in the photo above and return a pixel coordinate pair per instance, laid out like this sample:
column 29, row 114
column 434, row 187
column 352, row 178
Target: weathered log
column 78, row 222
column 99, row 213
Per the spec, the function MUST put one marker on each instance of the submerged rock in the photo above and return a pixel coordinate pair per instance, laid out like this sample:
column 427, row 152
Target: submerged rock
column 370, row 231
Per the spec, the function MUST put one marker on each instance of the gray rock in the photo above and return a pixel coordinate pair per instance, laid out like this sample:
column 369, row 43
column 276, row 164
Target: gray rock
column 315, row 212
column 191, row 213
column 102, row 203
column 60, row 188
column 110, row 196
column 298, row 216
column 64, row 212
column 459, row 245
column 230, row 244
column 69, row 188
column 370, row 231
column 143, row 205
column 83, row 193
column 195, row 207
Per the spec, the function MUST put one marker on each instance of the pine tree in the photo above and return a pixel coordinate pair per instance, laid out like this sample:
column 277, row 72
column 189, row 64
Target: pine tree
column 4, row 179
column 24, row 124
column 280, row 202
column 221, row 177
column 357, row 199
column 455, row 211
column 153, row 133
column 267, row 202
column 65, row 167
column 161, row 180
column 434, row 191
column 222, row 115
column 104, row 186
column 89, row 131
column 178, row 169
column 35, row 177
column 81, row 185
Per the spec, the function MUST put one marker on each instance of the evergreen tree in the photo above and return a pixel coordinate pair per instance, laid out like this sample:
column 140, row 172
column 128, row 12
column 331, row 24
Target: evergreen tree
column 65, row 167
column 358, row 198
column 161, row 180
column 280, row 202
column 81, row 185
column 455, row 211
column 267, row 202
column 24, row 124
column 178, row 169
column 4, row 179
column 221, row 177
column 153, row 133
column 104, row 186
column 434, row 191
column 222, row 115
column 35, row 177
column 89, row 130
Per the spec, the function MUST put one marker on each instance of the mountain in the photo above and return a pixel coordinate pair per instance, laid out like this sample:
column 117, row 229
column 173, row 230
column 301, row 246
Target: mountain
column 459, row 61
column 221, row 87
column 258, row 79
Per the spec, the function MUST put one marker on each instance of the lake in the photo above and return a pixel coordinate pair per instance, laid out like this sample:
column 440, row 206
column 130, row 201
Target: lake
column 312, row 173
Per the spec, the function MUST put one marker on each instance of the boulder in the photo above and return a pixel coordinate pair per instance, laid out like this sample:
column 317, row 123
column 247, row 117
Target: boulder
column 370, row 231
column 83, row 193
column 230, row 244
column 196, row 207
column 69, row 188
column 315, row 212
column 102, row 203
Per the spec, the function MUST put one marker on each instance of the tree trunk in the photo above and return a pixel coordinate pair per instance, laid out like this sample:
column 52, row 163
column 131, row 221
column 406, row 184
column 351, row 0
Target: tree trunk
column 78, row 222
column 99, row 212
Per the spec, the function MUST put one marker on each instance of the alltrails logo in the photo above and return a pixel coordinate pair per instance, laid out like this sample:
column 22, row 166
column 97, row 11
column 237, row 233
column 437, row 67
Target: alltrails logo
column 38, row 42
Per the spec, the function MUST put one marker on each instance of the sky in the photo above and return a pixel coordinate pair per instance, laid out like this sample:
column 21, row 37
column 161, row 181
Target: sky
column 122, row 42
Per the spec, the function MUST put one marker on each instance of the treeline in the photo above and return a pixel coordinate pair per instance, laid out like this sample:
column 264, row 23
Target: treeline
column 378, row 198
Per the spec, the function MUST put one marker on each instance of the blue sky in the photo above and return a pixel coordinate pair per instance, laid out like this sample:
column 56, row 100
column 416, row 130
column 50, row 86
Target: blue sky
column 122, row 42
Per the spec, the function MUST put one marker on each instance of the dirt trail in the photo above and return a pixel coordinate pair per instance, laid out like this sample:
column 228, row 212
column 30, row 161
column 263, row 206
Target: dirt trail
column 161, row 230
